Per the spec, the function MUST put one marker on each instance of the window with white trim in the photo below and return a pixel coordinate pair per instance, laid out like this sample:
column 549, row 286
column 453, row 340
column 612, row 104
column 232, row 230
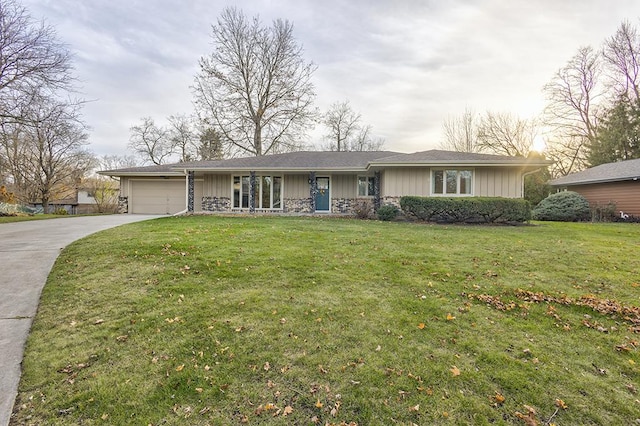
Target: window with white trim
column 366, row 186
column 452, row 182
column 268, row 192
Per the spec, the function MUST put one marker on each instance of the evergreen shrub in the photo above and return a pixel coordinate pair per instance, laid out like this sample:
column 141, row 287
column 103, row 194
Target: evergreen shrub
column 566, row 206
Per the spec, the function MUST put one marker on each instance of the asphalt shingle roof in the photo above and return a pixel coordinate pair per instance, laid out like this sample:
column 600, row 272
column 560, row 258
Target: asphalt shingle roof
column 610, row 172
column 321, row 161
column 298, row 160
column 436, row 156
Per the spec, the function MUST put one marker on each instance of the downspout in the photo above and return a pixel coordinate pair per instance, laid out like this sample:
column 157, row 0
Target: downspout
column 187, row 191
column 522, row 180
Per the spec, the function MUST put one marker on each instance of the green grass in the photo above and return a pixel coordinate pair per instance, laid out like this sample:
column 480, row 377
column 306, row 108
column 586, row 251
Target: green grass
column 25, row 218
column 273, row 320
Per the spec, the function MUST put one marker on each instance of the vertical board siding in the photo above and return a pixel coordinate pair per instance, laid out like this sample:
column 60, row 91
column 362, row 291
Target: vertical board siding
column 497, row 182
column 217, row 186
column 626, row 195
column 344, row 186
column 198, row 193
column 124, row 186
column 296, row 186
column 406, row 181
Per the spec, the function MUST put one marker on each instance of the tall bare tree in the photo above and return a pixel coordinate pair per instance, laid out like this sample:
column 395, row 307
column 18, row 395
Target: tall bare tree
column 505, row 134
column 572, row 110
column 345, row 132
column 47, row 149
column 461, row 133
column 182, row 135
column 255, row 88
column 342, row 124
column 151, row 142
column 622, row 54
column 113, row 162
column 31, row 59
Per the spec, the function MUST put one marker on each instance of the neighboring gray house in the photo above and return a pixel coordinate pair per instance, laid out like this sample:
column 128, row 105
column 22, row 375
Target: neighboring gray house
column 607, row 183
column 318, row 182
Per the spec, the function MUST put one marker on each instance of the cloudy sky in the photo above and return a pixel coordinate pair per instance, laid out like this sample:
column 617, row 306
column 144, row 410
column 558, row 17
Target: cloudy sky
column 405, row 65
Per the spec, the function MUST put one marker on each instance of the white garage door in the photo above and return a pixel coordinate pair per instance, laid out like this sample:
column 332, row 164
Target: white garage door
column 157, row 197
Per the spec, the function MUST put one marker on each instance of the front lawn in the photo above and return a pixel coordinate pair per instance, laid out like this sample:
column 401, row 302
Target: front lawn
column 26, row 218
column 276, row 320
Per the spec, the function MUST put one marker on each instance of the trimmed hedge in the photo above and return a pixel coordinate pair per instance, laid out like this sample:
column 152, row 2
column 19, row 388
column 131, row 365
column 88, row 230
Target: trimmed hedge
column 565, row 206
column 467, row 209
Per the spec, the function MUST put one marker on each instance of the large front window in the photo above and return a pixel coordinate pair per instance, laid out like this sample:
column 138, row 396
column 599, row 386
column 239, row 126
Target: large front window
column 452, row 182
column 267, row 192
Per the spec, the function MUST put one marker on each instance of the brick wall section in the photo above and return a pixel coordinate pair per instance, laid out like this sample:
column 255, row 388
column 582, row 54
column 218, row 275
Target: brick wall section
column 625, row 195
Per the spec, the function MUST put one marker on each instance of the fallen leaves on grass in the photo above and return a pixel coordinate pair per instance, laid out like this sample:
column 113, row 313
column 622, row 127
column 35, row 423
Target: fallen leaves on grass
column 561, row 404
column 630, row 314
column 529, row 418
column 455, row 371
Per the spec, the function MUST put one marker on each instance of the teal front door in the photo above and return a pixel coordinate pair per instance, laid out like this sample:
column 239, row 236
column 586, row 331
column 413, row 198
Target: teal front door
column 322, row 194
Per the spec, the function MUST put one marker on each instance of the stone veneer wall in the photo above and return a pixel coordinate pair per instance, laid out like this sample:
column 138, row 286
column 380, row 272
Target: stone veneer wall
column 298, row 205
column 216, row 204
column 391, row 200
column 123, row 204
column 351, row 205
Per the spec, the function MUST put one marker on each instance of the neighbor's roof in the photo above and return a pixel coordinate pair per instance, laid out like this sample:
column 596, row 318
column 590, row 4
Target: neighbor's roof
column 327, row 161
column 610, row 172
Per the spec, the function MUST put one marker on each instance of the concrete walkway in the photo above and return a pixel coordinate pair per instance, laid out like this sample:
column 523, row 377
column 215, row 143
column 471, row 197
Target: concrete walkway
column 28, row 250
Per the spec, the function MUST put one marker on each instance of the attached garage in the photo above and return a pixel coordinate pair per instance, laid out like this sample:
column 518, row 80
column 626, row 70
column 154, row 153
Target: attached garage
column 159, row 196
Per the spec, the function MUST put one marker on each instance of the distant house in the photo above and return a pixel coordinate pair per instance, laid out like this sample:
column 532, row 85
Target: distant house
column 318, row 182
column 617, row 183
column 83, row 202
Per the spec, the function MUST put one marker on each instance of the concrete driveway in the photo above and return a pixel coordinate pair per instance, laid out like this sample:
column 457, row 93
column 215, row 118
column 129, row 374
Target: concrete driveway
column 27, row 253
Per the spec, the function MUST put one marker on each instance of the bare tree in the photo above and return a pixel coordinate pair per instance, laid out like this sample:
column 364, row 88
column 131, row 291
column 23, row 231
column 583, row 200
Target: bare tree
column 364, row 140
column 461, row 133
column 48, row 149
column 113, row 162
column 183, row 137
column 345, row 132
column 31, row 59
column 255, row 88
column 505, row 134
column 572, row 110
column 343, row 124
column 622, row 53
column 151, row 142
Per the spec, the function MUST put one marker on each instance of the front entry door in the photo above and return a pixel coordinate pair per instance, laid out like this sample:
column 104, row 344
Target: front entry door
column 322, row 194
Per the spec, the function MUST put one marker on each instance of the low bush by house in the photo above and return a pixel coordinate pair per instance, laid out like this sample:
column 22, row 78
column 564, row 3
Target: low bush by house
column 566, row 206
column 387, row 212
column 466, row 210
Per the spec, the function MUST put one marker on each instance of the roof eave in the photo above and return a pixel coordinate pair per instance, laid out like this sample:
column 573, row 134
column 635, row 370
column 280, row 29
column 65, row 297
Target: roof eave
column 278, row 169
column 458, row 163
column 139, row 174
column 594, row 181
